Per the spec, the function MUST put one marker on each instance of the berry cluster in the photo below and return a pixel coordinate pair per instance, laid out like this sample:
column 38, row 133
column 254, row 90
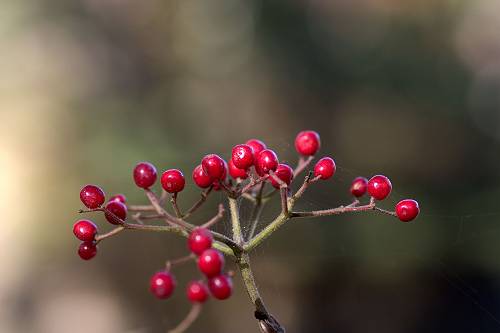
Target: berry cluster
column 251, row 166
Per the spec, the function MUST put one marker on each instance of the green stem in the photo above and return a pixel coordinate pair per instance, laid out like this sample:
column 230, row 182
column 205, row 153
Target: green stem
column 266, row 232
column 235, row 220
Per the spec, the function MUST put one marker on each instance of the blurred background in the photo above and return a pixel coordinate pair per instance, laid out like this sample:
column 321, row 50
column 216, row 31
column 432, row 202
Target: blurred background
column 409, row 89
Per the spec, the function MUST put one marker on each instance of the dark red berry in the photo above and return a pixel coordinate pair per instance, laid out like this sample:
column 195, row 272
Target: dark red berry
column 200, row 177
column 242, row 156
column 118, row 197
column 200, row 240
column 85, row 230
column 118, row 209
column 358, row 186
column 211, row 262
column 257, row 146
column 266, row 161
column 221, row 286
column 325, row 168
column 283, row 172
column 379, row 187
column 87, row 250
column 197, row 292
column 213, row 165
column 407, row 210
column 92, row 196
column 236, row 172
column 145, row 174
column 217, row 183
column 162, row 284
column 307, row 143
column 173, row 181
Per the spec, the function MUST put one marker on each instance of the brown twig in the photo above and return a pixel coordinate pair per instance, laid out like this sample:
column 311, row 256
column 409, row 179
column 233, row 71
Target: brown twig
column 334, row 211
column 173, row 200
column 111, row 233
column 199, row 203
column 216, row 218
column 189, row 320
column 171, row 263
column 252, row 183
column 301, row 165
column 307, row 181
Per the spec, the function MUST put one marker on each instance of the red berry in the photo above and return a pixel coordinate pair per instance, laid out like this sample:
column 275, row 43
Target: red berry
column 201, row 178
column 242, row 156
column 211, row 262
column 200, row 240
column 213, row 165
column 92, row 196
column 197, row 292
column 266, row 161
column 87, row 250
column 358, row 186
column 257, row 146
column 236, row 172
column 162, row 284
column 118, row 209
column 285, row 173
column 216, row 184
column 173, row 181
column 85, row 230
column 325, row 168
column 307, row 143
column 144, row 175
column 118, row 197
column 221, row 286
column 407, row 210
column 379, row 187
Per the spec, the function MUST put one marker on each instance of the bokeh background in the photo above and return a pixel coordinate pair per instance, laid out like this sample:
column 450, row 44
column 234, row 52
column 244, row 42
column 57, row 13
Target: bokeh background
column 406, row 88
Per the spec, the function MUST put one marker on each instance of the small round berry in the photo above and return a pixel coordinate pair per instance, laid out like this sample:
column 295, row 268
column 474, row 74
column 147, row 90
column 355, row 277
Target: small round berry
column 85, row 230
column 197, row 292
column 242, row 156
column 221, row 286
column 173, row 181
column 200, row 178
column 145, row 174
column 325, row 168
column 200, row 240
column 307, row 143
column 119, row 197
column 118, row 209
column 87, row 250
column 379, row 187
column 358, row 186
column 407, row 210
column 92, row 196
column 236, row 172
column 213, row 165
column 266, row 161
column 257, row 146
column 283, row 172
column 211, row 262
column 162, row 284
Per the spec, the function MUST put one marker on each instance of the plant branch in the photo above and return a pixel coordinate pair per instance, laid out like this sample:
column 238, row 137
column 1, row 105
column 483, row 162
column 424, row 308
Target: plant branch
column 216, row 218
column 173, row 200
column 199, row 203
column 235, row 220
column 192, row 315
column 302, row 164
column 256, row 211
column 335, row 211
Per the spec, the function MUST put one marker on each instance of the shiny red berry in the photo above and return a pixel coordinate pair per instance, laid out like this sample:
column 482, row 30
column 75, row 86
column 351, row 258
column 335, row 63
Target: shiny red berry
column 85, row 230
column 211, row 262
column 200, row 240
column 221, row 286
column 379, row 187
column 242, row 156
column 407, row 210
column 358, row 186
column 173, row 181
column 236, row 172
column 118, row 197
column 325, row 168
column 197, row 292
column 307, row 143
column 118, row 209
column 266, row 161
column 200, row 177
column 145, row 175
column 87, row 250
column 213, row 165
column 162, row 284
column 285, row 173
column 92, row 196
column 257, row 146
